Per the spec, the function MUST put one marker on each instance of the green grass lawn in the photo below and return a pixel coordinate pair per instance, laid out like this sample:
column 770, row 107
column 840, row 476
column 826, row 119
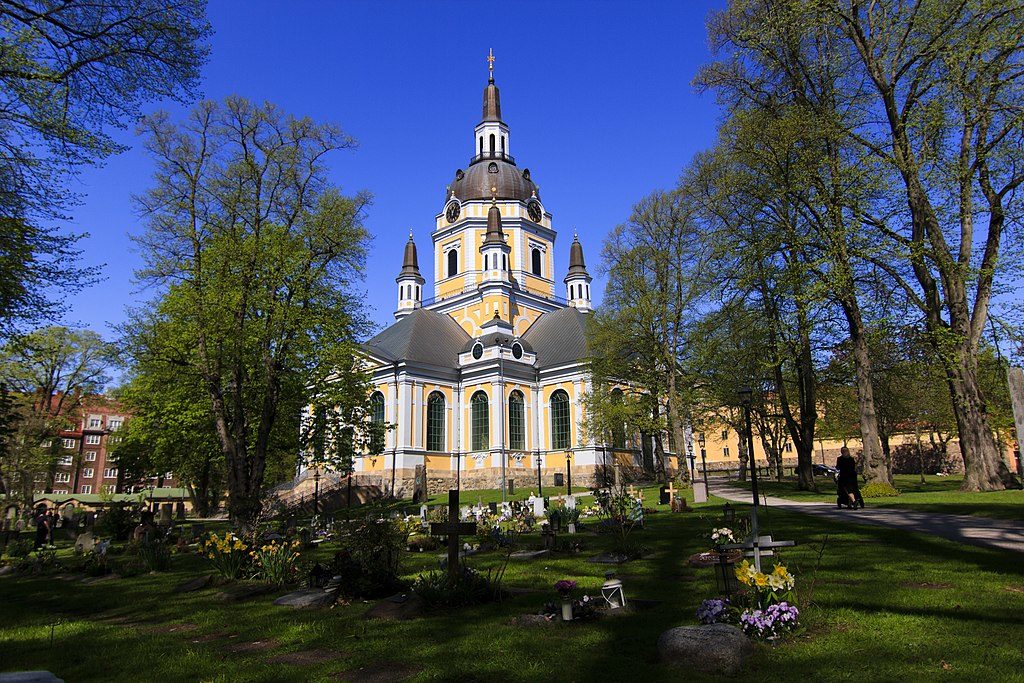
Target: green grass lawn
column 936, row 494
column 885, row 605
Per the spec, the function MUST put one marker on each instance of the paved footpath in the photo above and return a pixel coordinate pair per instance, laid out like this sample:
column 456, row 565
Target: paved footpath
column 983, row 531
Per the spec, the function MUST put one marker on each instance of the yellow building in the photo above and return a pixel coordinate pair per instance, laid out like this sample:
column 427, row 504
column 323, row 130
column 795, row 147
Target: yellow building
column 483, row 380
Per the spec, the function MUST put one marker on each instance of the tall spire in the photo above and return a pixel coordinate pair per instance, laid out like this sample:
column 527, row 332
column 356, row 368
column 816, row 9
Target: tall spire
column 410, row 264
column 492, row 99
column 494, row 232
column 576, row 264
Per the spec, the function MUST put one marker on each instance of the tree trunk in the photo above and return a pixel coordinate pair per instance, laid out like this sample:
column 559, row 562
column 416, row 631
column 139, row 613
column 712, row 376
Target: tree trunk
column 676, row 425
column 876, row 458
column 984, row 466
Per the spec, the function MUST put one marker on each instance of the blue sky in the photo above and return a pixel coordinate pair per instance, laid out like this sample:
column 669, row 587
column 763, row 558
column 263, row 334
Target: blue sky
column 597, row 96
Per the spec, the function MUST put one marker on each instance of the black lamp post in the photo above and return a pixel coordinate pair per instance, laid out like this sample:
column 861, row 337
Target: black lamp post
column 745, row 394
column 703, row 459
column 568, row 473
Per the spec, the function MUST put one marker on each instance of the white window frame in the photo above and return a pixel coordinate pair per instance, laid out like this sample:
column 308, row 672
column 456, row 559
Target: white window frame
column 87, row 488
column 110, row 473
column 88, row 473
column 95, row 422
column 65, row 460
column 90, row 456
column 62, row 478
column 93, row 439
column 68, row 443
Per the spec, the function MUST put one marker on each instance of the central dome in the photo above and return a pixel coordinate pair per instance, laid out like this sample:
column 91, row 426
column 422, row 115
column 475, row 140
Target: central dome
column 497, row 172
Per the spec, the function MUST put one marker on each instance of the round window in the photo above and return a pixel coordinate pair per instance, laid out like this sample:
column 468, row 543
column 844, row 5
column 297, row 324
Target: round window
column 478, row 351
column 517, row 350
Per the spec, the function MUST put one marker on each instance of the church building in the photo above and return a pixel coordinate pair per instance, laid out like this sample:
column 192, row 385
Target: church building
column 483, row 380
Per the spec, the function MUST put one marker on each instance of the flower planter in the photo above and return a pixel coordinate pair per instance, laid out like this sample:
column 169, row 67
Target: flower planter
column 567, row 610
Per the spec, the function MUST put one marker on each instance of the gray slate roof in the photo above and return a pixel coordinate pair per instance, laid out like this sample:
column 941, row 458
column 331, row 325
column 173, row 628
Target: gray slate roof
column 559, row 337
column 423, row 336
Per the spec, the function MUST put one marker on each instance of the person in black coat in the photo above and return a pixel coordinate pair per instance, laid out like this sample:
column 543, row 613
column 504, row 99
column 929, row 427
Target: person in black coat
column 847, row 484
column 42, row 521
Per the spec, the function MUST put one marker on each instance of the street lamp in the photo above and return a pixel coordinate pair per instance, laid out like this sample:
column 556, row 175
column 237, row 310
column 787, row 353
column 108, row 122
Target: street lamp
column 568, row 473
column 745, row 394
column 703, row 458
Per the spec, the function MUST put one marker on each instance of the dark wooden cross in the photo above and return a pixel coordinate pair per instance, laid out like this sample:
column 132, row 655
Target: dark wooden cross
column 758, row 547
column 453, row 528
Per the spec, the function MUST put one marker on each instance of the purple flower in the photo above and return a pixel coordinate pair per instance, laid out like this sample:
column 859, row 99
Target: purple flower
column 564, row 587
column 710, row 611
column 770, row 623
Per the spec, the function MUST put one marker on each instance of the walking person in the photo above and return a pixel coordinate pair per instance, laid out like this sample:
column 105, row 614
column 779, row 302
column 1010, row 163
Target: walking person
column 42, row 527
column 847, row 484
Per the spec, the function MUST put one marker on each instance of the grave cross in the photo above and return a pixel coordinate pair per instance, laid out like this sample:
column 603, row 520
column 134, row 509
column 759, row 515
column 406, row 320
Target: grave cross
column 671, row 491
column 453, row 528
column 758, row 547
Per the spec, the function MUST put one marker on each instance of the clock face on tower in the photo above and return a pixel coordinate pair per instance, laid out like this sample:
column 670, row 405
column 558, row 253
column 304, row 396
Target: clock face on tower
column 452, row 212
column 533, row 209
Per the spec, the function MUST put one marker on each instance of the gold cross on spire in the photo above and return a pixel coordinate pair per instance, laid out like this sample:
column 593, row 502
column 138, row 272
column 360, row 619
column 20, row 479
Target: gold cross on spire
column 490, row 64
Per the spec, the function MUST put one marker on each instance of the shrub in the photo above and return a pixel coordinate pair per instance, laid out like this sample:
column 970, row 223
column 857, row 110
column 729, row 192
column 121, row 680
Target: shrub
column 877, row 489
column 228, row 554
column 156, row 555
column 377, row 546
column 277, row 563
column 437, row 590
column 43, row 561
column 118, row 520
column 20, row 548
column 907, row 460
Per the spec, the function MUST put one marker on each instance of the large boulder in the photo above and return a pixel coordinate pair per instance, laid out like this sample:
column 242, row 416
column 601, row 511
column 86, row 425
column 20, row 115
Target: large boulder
column 713, row 648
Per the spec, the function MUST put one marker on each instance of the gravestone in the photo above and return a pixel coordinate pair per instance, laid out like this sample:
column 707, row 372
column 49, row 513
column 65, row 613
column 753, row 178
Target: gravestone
column 166, row 514
column 179, row 511
column 559, row 479
column 664, row 497
column 570, row 502
column 424, row 512
column 511, row 486
column 700, row 492
column 538, row 507
column 198, row 529
column 618, row 475
column 453, row 529
column 419, row 487
column 85, row 543
column 493, row 507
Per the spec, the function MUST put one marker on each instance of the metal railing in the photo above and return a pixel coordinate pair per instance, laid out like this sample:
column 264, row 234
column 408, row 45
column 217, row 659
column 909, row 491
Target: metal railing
column 493, row 155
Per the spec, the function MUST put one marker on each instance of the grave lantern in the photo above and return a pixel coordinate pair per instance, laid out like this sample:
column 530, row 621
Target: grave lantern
column 725, row 576
column 728, row 514
column 612, row 593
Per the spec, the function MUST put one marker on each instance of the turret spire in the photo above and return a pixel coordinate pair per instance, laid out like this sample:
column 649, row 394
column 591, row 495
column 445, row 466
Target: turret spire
column 577, row 281
column 410, row 282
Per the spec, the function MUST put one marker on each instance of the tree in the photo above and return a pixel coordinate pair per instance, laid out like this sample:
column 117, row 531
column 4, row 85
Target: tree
column 51, row 370
column 649, row 260
column 258, row 257
column 69, row 71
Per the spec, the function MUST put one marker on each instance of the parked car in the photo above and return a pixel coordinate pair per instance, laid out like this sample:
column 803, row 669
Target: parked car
column 824, row 471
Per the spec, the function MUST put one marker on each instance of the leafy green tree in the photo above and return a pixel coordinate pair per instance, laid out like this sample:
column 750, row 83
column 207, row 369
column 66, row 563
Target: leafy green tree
column 70, row 71
column 51, row 371
column 258, row 256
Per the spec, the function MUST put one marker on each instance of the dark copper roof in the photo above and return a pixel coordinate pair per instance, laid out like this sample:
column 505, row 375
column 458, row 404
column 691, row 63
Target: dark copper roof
column 576, row 264
column 410, row 264
column 559, row 337
column 494, row 232
column 492, row 102
column 497, row 172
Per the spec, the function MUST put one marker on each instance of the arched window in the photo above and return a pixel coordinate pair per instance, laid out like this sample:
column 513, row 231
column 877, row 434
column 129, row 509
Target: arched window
column 560, row 428
column 492, row 143
column 535, row 257
column 485, row 261
column 619, row 430
column 377, row 421
column 516, row 421
column 453, row 263
column 479, row 421
column 435, row 421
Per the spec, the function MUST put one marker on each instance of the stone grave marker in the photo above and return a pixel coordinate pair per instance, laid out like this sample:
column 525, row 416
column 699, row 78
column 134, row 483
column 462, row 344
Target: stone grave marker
column 166, row 514
column 493, row 507
column 85, row 542
column 419, row 490
column 179, row 511
column 538, row 507
column 424, row 512
column 570, row 502
column 453, row 529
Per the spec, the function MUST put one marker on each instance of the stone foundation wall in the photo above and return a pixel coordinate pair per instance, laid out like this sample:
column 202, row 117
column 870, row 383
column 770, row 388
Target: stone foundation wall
column 478, row 479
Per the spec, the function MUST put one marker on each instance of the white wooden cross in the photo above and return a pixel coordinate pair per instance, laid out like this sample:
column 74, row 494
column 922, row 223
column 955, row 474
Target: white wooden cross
column 761, row 546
